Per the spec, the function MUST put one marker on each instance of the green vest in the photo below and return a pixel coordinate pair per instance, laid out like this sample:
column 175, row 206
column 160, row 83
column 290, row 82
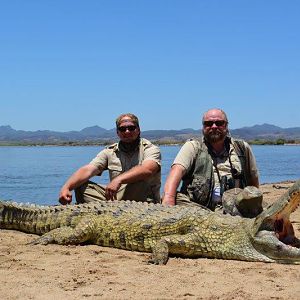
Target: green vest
column 198, row 184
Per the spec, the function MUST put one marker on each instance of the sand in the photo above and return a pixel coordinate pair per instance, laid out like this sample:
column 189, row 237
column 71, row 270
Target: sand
column 93, row 272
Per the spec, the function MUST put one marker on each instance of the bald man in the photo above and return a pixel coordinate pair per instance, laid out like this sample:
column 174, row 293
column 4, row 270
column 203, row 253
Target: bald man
column 209, row 167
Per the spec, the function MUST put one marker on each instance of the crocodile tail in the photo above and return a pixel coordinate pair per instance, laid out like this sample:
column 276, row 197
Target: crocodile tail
column 32, row 218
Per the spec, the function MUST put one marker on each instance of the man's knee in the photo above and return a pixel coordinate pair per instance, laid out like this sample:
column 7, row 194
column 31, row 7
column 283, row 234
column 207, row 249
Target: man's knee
column 184, row 200
column 79, row 193
column 89, row 192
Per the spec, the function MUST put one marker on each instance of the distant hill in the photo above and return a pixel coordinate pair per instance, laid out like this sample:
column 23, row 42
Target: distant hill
column 87, row 134
column 267, row 132
column 99, row 134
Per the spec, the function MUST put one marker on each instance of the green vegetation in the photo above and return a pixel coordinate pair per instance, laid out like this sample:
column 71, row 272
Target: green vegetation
column 160, row 142
column 168, row 142
column 59, row 143
column 274, row 142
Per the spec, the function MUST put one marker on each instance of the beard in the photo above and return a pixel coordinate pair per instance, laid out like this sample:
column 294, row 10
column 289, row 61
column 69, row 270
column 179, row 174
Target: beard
column 129, row 147
column 214, row 136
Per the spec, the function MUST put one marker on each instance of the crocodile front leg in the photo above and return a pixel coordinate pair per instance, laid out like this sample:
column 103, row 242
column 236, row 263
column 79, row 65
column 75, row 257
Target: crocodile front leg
column 177, row 244
column 160, row 253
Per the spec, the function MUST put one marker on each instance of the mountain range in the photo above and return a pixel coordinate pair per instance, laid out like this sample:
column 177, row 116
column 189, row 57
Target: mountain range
column 99, row 134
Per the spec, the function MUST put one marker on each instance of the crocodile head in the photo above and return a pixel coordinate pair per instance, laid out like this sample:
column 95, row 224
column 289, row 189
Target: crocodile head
column 273, row 234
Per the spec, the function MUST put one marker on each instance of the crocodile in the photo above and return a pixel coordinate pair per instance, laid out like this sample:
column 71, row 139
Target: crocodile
column 179, row 231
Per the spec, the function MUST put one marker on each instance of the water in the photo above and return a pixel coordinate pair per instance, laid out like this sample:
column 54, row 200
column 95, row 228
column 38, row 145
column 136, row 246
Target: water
column 36, row 174
column 277, row 163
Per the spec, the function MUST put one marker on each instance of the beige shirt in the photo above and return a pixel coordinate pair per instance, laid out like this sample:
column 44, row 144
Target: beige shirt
column 188, row 153
column 116, row 162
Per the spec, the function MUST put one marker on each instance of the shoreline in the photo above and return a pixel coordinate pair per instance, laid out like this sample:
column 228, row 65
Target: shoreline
column 106, row 143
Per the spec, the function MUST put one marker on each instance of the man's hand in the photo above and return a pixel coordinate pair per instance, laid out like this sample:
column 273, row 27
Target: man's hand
column 65, row 196
column 171, row 185
column 82, row 175
column 112, row 189
column 168, row 199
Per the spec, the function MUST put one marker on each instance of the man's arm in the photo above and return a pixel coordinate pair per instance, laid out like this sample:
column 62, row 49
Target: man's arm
column 137, row 173
column 79, row 177
column 254, row 181
column 172, row 183
column 253, row 176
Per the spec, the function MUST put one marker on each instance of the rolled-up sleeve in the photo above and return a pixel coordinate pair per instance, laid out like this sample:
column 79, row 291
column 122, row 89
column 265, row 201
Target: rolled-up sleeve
column 152, row 152
column 101, row 160
column 187, row 155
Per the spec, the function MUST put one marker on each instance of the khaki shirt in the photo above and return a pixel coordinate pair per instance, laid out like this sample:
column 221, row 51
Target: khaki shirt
column 116, row 162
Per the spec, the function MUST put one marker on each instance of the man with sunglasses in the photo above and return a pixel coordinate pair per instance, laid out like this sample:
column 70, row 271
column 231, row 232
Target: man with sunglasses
column 134, row 166
column 211, row 166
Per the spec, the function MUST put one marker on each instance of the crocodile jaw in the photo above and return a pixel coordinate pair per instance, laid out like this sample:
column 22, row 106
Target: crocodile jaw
column 273, row 234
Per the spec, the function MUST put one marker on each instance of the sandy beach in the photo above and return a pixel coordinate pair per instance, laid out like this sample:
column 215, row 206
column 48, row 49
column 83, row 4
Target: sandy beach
column 93, row 272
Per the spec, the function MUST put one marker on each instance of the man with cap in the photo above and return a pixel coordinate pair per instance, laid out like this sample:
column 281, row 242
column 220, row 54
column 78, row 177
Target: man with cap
column 134, row 166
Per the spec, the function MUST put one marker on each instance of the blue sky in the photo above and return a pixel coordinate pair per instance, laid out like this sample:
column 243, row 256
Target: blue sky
column 66, row 65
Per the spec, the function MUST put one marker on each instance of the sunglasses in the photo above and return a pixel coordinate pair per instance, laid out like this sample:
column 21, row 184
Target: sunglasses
column 218, row 123
column 129, row 128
